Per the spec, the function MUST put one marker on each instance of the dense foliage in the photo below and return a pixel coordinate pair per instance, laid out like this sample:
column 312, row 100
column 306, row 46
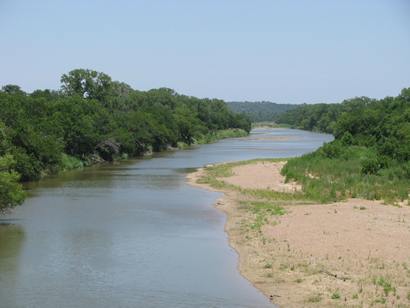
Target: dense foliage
column 382, row 124
column 93, row 118
column 370, row 156
column 260, row 111
column 315, row 117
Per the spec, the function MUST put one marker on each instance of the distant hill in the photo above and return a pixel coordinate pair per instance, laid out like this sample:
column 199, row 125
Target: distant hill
column 260, row 111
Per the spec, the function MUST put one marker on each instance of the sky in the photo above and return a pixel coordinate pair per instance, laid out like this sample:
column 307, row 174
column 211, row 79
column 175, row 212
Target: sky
column 286, row 51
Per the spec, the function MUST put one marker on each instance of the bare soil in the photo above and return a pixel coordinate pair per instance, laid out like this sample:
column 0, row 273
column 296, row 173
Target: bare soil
column 347, row 254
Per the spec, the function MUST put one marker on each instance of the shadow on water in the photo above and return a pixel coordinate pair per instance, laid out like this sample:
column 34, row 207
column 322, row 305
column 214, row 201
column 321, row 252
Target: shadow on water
column 12, row 237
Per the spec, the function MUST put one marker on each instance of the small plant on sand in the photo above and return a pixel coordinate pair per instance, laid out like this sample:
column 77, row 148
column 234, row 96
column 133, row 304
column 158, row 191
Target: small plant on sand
column 267, row 207
column 408, row 296
column 386, row 285
column 315, row 298
column 381, row 300
column 355, row 296
column 260, row 220
column 268, row 265
column 335, row 295
column 283, row 267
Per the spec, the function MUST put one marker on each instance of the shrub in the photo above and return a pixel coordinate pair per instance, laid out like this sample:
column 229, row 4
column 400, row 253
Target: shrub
column 331, row 150
column 347, row 138
column 373, row 164
column 386, row 285
column 335, row 295
column 26, row 165
column 11, row 192
column 70, row 162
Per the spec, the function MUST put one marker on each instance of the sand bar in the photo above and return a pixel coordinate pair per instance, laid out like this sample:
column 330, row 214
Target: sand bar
column 354, row 253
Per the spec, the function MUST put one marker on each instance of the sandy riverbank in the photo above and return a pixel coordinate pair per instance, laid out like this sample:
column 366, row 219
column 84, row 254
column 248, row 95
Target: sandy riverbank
column 354, row 253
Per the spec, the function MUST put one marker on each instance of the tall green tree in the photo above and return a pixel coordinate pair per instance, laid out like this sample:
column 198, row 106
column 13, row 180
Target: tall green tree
column 87, row 84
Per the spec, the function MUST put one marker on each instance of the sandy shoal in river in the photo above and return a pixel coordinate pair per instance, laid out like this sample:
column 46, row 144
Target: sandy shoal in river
column 354, row 253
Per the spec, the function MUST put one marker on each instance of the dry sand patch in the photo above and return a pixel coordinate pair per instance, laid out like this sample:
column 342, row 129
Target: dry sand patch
column 358, row 229
column 346, row 254
column 261, row 175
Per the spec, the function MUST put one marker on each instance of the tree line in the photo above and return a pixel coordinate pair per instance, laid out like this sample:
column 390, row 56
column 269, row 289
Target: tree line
column 93, row 118
column 380, row 124
column 260, row 111
column 370, row 156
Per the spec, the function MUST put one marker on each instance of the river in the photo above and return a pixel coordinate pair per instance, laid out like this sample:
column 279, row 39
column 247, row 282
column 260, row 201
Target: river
column 133, row 234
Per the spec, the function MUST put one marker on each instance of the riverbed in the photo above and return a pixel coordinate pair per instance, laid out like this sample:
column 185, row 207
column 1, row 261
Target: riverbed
column 133, row 234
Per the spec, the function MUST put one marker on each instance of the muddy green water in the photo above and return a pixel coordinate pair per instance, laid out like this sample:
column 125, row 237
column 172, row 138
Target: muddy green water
column 134, row 234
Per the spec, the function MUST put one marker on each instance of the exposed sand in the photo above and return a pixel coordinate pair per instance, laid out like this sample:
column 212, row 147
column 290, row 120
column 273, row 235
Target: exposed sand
column 261, row 175
column 354, row 253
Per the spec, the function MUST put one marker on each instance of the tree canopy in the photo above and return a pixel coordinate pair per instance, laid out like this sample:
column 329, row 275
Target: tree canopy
column 260, row 111
column 91, row 118
column 380, row 124
column 370, row 156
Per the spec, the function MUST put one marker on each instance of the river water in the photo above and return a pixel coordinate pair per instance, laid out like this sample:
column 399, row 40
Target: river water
column 133, row 234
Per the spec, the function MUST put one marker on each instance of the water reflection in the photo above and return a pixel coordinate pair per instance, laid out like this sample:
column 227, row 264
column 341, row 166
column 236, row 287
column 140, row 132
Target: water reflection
column 11, row 242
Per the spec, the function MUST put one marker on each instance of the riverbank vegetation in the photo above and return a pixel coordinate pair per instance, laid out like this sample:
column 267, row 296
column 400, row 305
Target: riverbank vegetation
column 260, row 111
column 301, row 252
column 92, row 119
column 369, row 157
column 269, row 125
column 297, row 243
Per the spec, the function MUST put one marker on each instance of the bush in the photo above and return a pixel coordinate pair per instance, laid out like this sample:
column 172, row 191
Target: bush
column 26, row 165
column 373, row 164
column 11, row 192
column 331, row 150
column 70, row 162
column 347, row 138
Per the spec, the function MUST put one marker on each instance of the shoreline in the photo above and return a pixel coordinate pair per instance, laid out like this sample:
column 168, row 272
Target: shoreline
column 192, row 180
column 95, row 160
column 350, row 253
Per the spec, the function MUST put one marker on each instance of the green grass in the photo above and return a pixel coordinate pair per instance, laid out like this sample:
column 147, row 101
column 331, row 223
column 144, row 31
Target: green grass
column 381, row 300
column 215, row 174
column 386, row 285
column 355, row 296
column 259, row 221
column 182, row 145
column 316, row 298
column 265, row 203
column 323, row 180
column 69, row 162
column 268, row 207
column 335, row 295
column 329, row 179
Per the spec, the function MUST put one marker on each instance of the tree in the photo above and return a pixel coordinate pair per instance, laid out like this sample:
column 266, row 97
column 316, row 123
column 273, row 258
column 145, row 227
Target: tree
column 11, row 192
column 12, row 89
column 87, row 84
column 95, row 116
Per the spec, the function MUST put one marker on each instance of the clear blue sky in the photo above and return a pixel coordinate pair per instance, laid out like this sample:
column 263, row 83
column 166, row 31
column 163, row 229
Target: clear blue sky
column 283, row 51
